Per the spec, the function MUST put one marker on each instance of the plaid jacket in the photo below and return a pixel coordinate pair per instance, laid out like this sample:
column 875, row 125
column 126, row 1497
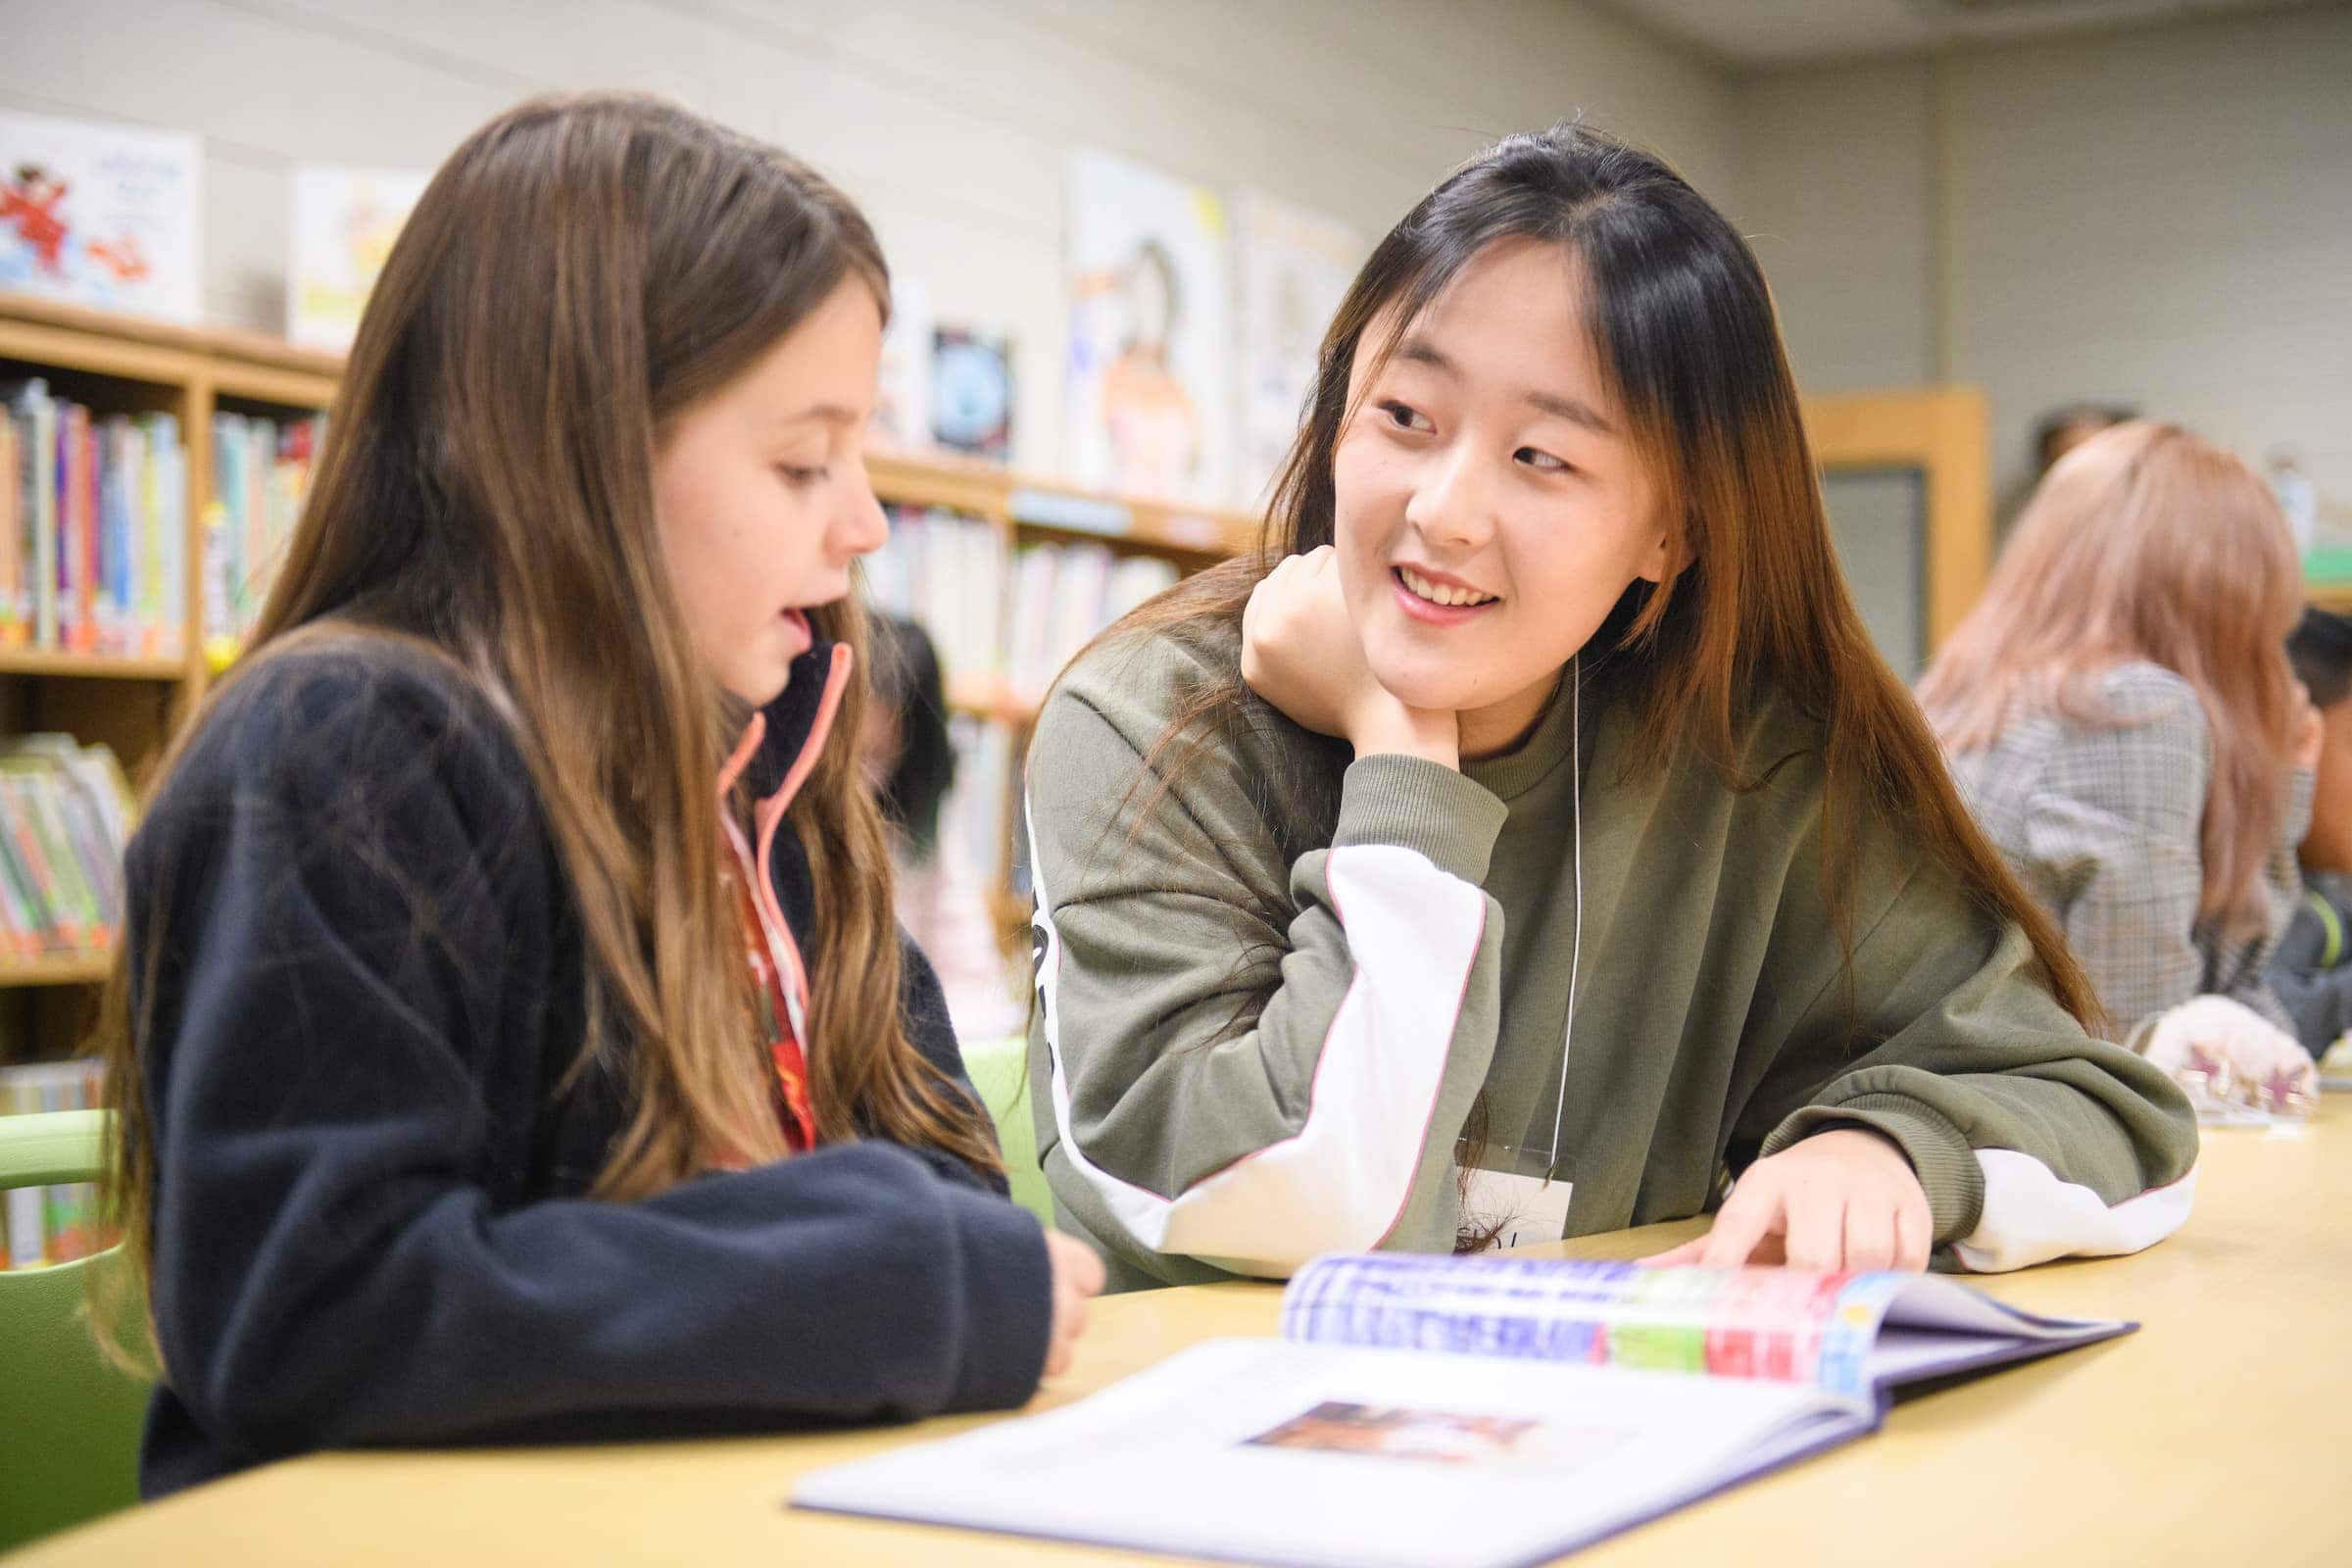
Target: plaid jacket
column 2102, row 823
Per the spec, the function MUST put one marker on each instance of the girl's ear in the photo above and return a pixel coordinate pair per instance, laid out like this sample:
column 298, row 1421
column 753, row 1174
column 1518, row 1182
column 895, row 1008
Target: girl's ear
column 1653, row 564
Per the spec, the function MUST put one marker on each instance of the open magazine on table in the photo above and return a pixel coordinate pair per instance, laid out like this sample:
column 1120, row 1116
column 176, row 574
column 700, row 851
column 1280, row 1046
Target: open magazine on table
column 1478, row 1412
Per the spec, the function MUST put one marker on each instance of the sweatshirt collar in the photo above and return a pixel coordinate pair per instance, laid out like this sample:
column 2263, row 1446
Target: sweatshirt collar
column 1512, row 773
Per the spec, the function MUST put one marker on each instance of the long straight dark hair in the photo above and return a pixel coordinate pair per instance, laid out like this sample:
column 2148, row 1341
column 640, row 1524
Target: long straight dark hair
column 581, row 270
column 1752, row 602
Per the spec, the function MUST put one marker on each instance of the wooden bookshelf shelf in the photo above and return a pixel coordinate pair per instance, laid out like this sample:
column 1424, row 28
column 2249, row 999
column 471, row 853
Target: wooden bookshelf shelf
column 88, row 667
column 23, row 312
column 57, row 969
column 1022, row 501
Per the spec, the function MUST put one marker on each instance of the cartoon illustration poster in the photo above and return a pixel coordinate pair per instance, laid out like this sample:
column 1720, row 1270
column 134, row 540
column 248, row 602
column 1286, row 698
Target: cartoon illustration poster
column 345, row 220
column 1295, row 267
column 100, row 214
column 1149, row 390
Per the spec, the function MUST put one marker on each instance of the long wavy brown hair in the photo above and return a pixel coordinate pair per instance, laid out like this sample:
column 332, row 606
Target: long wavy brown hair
column 580, row 271
column 1681, row 324
column 2146, row 543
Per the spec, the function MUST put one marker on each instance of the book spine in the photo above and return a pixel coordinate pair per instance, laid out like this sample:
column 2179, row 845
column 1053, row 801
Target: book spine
column 76, row 595
column 98, row 772
column 96, row 858
column 12, row 531
column 17, row 884
column 58, row 928
column 23, row 920
column 146, row 531
column 44, row 521
column 169, row 582
column 91, row 582
column 225, row 534
column 67, row 869
column 131, row 561
column 113, row 481
column 219, row 570
column 260, row 454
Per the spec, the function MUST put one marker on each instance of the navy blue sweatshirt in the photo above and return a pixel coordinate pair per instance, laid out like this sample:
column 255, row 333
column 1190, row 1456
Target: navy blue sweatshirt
column 371, row 1154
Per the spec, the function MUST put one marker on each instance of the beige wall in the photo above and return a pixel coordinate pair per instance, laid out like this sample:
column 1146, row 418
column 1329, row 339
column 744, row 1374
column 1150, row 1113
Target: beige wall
column 951, row 121
column 1838, row 206
column 2162, row 219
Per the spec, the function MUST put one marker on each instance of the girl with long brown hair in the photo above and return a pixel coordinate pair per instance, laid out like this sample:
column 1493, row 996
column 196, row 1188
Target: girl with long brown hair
column 515, row 1035
column 1530, row 842
column 2123, row 717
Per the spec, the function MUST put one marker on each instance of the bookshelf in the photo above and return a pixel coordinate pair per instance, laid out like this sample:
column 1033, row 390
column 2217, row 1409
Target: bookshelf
column 115, row 364
column 122, row 364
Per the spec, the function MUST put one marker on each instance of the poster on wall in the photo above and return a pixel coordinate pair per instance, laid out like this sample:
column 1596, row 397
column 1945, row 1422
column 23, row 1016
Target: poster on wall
column 1149, row 391
column 100, row 214
column 1294, row 267
column 345, row 220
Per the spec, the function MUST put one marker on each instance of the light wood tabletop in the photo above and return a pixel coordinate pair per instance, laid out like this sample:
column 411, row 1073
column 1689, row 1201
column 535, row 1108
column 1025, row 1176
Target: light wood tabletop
column 2210, row 1435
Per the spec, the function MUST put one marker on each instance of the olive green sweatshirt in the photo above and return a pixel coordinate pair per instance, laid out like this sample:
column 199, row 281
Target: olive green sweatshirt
column 1252, row 1050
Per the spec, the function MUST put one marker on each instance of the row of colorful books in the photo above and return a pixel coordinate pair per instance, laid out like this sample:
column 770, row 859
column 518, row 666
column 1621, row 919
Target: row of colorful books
column 93, row 524
column 93, row 528
column 1015, row 618
column 260, row 472
column 65, row 815
column 61, row 1222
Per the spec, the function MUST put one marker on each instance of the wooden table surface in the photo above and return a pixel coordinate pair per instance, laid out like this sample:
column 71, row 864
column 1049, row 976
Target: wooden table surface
column 2215, row 1434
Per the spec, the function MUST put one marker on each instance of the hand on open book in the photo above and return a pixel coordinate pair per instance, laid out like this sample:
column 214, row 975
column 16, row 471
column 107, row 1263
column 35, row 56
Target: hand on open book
column 1077, row 1275
column 1840, row 1200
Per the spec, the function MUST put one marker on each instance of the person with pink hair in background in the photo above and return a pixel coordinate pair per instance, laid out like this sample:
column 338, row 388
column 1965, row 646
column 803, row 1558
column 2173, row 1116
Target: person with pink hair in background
column 2120, row 714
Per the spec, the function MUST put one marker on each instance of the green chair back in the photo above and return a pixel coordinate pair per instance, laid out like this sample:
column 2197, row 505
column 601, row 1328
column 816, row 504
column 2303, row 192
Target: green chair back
column 68, row 1418
column 1000, row 1071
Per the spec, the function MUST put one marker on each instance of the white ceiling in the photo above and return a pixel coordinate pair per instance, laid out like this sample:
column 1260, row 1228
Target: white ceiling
column 1766, row 33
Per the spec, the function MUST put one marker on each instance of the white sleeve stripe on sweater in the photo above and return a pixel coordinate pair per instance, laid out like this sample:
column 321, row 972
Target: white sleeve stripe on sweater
column 2030, row 1216
column 1341, row 1180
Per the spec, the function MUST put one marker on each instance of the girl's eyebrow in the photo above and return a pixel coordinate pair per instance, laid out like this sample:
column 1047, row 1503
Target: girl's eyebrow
column 1560, row 406
column 821, row 414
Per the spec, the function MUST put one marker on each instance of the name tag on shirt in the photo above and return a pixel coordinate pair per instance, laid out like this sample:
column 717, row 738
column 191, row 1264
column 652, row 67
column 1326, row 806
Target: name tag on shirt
column 1521, row 1210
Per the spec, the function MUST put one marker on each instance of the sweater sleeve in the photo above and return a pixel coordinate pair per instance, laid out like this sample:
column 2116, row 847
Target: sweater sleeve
column 2031, row 1139
column 339, row 1259
column 1248, row 1068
